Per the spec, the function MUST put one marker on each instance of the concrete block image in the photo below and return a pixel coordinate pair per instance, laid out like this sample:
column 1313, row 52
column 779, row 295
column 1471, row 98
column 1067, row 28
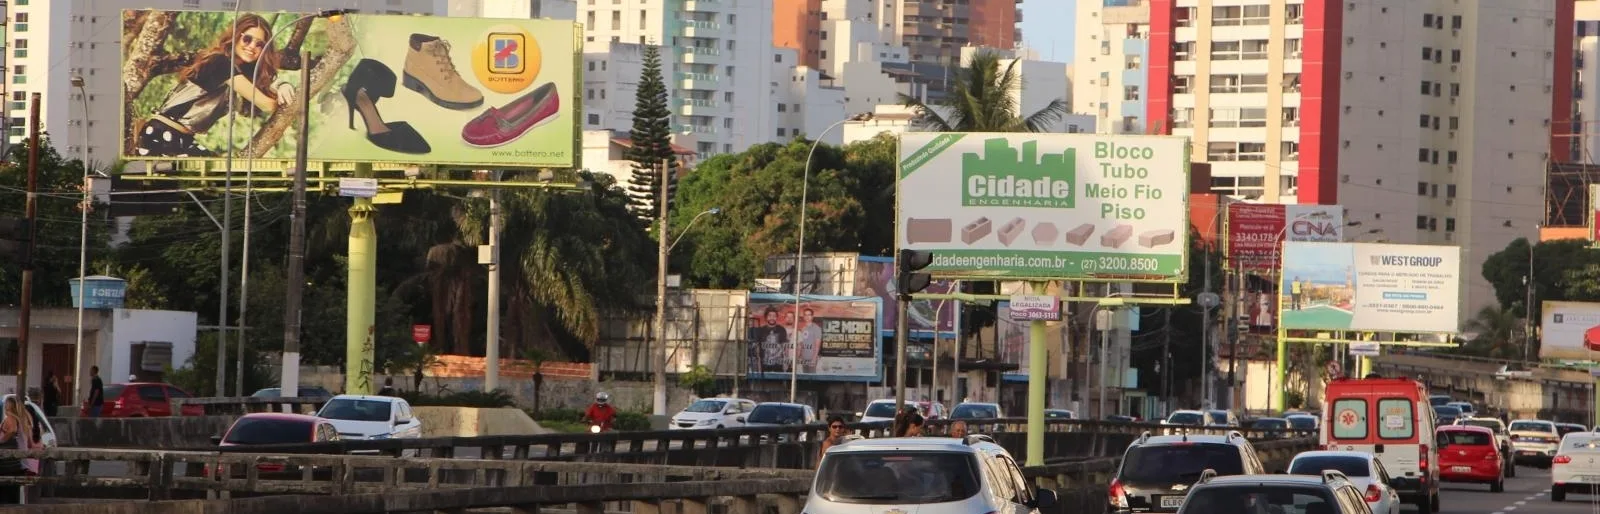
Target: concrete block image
column 932, row 230
column 1154, row 238
column 1011, row 231
column 1044, row 234
column 1117, row 236
column 978, row 229
column 1080, row 235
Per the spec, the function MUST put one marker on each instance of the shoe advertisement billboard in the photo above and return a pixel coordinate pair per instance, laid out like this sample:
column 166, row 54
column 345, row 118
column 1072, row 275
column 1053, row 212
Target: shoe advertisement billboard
column 468, row 92
column 1370, row 287
column 1045, row 206
column 837, row 336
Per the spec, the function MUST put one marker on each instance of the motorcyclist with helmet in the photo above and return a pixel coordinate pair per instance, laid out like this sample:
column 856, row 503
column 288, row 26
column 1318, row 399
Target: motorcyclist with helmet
column 601, row 413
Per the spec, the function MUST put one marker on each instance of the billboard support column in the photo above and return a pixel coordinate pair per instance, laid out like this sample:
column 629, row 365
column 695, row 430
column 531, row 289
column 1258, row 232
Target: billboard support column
column 361, row 303
column 1038, row 359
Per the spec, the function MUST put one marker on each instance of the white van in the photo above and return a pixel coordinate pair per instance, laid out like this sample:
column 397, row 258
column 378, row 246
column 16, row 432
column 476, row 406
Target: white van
column 923, row 475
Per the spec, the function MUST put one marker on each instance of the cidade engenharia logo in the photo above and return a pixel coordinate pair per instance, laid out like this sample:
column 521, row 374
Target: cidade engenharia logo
column 1004, row 177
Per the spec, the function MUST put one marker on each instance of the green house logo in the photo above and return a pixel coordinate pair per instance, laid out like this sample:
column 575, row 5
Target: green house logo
column 1004, row 177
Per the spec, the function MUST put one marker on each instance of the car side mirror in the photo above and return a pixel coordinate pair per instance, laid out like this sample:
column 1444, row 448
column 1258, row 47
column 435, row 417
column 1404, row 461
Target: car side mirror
column 398, row 421
column 216, row 440
column 739, row 419
column 1045, row 499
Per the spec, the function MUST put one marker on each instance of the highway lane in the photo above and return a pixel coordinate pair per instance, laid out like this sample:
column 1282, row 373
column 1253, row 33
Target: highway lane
column 1528, row 493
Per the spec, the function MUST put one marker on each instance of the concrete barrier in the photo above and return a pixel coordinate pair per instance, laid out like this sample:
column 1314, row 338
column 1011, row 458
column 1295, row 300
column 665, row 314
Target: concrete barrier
column 473, row 422
column 169, row 432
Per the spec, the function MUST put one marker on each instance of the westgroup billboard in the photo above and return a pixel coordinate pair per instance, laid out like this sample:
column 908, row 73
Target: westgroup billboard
column 384, row 89
column 1569, row 330
column 1063, row 206
column 1365, row 286
column 1255, row 230
column 838, row 337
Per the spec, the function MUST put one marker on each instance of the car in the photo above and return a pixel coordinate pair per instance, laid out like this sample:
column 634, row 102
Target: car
column 368, row 417
column 883, row 410
column 779, row 414
column 1470, row 454
column 1329, row 492
column 1534, row 441
column 1302, row 421
column 271, row 428
column 1439, row 400
column 977, row 410
column 1221, row 418
column 710, row 413
column 1185, row 418
column 1448, row 414
column 1060, row 414
column 1566, row 428
column 47, row 432
column 1121, row 418
column 1467, row 409
column 1272, row 428
column 1390, row 418
column 1502, row 439
column 304, row 392
column 1363, row 470
column 142, row 400
column 1155, row 470
column 1576, row 466
column 923, row 474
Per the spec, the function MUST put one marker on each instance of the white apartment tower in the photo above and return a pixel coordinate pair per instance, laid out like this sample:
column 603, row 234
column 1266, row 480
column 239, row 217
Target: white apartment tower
column 1109, row 74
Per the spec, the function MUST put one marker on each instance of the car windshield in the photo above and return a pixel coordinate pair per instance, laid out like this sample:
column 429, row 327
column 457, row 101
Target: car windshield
column 1270, row 424
column 1567, row 429
column 1530, row 426
column 880, row 410
column 1303, row 422
column 1218, row 418
column 1351, row 466
column 351, row 409
column 112, row 392
column 1186, row 418
column 1438, row 400
column 704, row 406
column 970, row 411
column 1491, row 424
column 897, row 478
column 1175, row 464
column 1469, row 438
column 271, row 392
column 249, row 431
column 1260, row 498
column 1465, row 407
column 777, row 415
column 1446, row 410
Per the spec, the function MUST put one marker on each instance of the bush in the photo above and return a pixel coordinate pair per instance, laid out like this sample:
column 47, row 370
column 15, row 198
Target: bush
column 480, row 399
column 631, row 421
column 559, row 414
column 564, row 420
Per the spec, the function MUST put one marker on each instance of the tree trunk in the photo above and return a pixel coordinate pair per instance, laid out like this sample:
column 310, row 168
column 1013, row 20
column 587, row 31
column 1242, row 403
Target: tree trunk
column 341, row 44
column 140, row 55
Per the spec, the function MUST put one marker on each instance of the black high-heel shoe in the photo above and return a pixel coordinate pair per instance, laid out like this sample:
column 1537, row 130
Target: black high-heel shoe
column 370, row 81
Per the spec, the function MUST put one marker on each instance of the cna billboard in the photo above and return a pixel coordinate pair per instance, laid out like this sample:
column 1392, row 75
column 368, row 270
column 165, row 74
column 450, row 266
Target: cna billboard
column 1256, row 232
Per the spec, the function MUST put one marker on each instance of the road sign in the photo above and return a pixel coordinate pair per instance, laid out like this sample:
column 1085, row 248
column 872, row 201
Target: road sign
column 422, row 333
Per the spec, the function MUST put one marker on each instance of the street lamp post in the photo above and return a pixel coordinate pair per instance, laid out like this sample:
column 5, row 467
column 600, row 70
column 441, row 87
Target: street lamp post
column 664, row 249
column 800, row 251
column 83, row 243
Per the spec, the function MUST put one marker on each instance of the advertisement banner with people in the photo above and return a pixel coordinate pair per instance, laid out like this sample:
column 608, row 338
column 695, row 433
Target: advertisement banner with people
column 1369, row 286
column 829, row 337
column 384, row 89
column 875, row 278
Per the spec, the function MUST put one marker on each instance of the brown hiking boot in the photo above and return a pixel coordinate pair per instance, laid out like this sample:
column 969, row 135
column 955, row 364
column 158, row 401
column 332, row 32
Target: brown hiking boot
column 430, row 71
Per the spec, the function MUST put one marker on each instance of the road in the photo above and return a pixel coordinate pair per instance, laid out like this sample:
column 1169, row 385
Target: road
column 1528, row 493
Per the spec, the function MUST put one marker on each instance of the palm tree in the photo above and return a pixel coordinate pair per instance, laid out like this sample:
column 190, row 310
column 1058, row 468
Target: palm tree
column 1493, row 327
column 983, row 98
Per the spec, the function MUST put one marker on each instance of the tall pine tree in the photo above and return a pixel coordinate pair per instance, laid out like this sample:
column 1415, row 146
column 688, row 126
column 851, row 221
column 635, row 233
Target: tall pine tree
column 652, row 138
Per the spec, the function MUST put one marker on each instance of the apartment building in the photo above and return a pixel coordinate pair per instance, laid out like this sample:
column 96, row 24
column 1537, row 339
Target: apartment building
column 1110, row 65
column 1429, row 120
column 51, row 41
column 1581, row 131
column 830, row 33
column 525, row 9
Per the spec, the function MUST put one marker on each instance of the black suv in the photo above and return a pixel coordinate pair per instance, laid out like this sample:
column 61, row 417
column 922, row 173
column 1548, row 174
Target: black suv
column 1157, row 471
column 1327, row 493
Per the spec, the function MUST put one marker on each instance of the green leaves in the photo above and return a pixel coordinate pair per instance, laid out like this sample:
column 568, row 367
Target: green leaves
column 983, row 98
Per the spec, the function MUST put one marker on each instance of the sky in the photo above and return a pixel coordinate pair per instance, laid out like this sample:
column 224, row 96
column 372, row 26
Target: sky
column 1047, row 26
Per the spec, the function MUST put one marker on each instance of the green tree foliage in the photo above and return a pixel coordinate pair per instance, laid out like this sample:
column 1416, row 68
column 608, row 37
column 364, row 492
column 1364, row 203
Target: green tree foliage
column 1494, row 334
column 1558, row 267
column 652, row 138
column 983, row 98
column 1187, row 325
column 57, row 228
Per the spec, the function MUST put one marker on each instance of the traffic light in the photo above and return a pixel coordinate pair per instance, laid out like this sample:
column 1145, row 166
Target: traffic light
column 908, row 280
column 15, row 234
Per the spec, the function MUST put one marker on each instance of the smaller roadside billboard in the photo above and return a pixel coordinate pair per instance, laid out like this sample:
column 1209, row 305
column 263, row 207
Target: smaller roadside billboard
column 1373, row 287
column 1255, row 230
column 1569, row 330
column 837, row 336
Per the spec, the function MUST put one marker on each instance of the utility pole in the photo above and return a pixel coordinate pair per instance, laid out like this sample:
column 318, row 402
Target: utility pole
column 1166, row 357
column 491, row 349
column 31, row 211
column 294, row 288
column 660, row 352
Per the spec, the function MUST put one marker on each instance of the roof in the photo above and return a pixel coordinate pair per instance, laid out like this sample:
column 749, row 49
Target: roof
column 627, row 142
column 782, row 404
column 923, row 444
column 1464, row 428
column 371, row 397
column 285, row 416
column 1186, row 438
column 1299, row 415
column 1334, row 453
column 1305, row 480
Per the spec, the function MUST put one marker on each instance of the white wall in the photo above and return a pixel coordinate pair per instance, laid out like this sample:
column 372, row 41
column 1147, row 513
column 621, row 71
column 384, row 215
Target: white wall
column 129, row 326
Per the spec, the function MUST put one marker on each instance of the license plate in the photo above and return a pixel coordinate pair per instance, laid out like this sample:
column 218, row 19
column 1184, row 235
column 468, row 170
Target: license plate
column 1589, row 479
column 1461, row 469
column 1171, row 502
column 1528, row 453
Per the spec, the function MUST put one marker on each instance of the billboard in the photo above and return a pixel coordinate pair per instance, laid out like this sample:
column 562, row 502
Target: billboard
column 838, row 337
column 384, row 89
column 1255, row 230
column 875, row 278
column 1371, row 287
column 1569, row 330
column 1045, row 206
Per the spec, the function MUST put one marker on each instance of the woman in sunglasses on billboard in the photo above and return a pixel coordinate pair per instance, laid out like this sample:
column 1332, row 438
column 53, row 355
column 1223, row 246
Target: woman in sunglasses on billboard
column 201, row 96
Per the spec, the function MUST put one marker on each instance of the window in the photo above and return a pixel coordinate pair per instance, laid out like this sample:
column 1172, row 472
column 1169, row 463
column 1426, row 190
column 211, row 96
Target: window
column 1134, row 62
column 780, row 131
column 1449, row 224
column 641, row 19
column 1183, row 17
column 1436, row 86
column 1433, row 157
column 1424, row 121
column 1455, row 56
column 1395, row 415
column 1427, row 19
column 1450, row 157
column 1455, row 90
column 1426, row 87
column 1226, row 16
column 1225, row 50
column 1257, row 15
column 1434, row 191
column 1427, row 53
column 20, row 43
column 19, row 96
column 1254, row 49
column 1422, row 188
column 857, row 477
column 1130, row 93
column 1252, row 117
column 1181, row 84
column 1289, row 150
column 1291, row 48
column 1455, row 123
column 21, row 17
column 594, row 119
column 1450, row 191
column 1422, row 155
column 824, row 35
column 1292, row 13
column 1291, row 82
column 783, row 107
column 19, row 27
column 1183, row 51
column 1455, row 22
column 1291, row 116
column 1422, row 222
column 616, row 20
column 1350, row 418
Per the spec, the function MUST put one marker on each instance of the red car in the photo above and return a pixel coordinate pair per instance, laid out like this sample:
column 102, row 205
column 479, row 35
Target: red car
column 276, row 428
column 1470, row 454
column 141, row 400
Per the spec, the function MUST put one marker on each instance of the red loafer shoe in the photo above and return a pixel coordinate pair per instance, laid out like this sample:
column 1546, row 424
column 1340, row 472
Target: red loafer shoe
column 500, row 125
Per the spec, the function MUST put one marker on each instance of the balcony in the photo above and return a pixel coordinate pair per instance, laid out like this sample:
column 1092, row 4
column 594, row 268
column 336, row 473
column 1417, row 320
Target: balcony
column 699, row 54
column 697, row 129
column 697, row 107
column 702, row 5
column 707, row 81
column 697, row 28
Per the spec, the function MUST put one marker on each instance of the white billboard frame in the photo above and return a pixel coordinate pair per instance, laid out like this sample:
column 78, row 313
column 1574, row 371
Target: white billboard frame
column 1369, row 287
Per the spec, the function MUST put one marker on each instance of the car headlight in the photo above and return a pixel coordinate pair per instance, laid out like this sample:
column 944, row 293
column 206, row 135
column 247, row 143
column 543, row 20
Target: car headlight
column 379, row 436
column 706, row 422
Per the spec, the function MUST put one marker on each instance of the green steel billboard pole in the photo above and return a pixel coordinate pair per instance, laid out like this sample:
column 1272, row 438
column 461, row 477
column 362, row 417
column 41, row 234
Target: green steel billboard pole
column 361, row 306
column 1038, row 359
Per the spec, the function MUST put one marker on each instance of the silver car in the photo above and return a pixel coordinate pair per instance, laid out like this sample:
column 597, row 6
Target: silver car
column 923, row 475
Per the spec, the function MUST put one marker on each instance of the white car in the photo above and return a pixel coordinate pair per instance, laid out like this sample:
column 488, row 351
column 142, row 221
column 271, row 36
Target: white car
column 47, row 433
column 1534, row 441
column 923, row 475
column 977, row 410
column 883, row 410
column 1576, row 466
column 362, row 417
column 1360, row 468
column 710, row 413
